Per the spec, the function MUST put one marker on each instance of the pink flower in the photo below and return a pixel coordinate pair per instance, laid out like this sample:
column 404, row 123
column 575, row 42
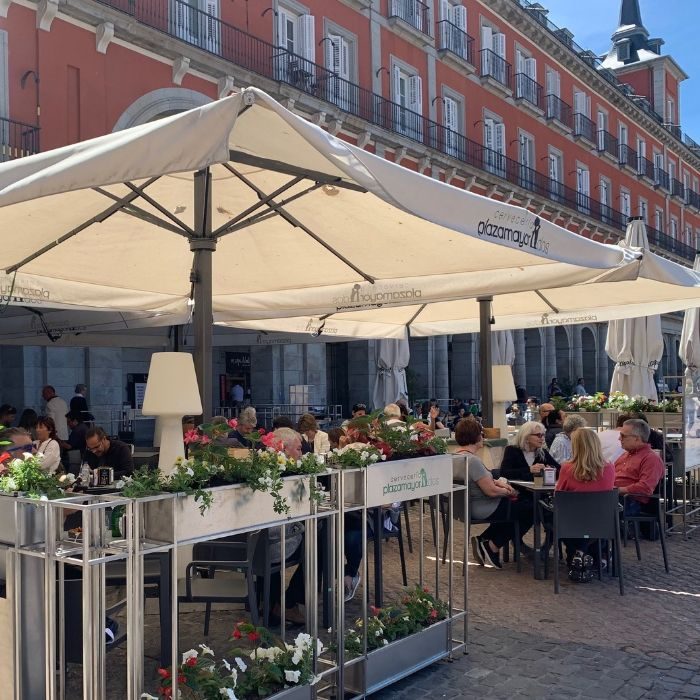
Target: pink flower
column 268, row 440
column 233, row 424
column 192, row 436
column 261, row 431
column 205, row 440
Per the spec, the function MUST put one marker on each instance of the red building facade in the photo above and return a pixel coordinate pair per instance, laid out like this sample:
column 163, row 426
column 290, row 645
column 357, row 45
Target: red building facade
column 488, row 95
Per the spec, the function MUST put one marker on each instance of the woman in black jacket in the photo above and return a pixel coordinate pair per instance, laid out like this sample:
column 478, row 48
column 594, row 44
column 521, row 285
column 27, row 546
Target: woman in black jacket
column 527, row 456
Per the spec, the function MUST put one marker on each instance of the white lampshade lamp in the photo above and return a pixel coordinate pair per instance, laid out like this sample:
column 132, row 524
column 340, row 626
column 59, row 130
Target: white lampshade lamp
column 171, row 393
column 503, row 394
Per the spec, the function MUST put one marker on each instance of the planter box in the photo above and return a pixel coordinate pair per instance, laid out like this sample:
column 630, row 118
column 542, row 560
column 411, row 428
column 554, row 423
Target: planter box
column 177, row 518
column 299, row 692
column 385, row 666
column 399, row 480
column 31, row 522
column 593, row 419
column 665, row 420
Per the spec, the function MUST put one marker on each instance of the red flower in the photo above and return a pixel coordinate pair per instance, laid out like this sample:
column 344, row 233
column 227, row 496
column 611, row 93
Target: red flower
column 237, row 633
column 253, row 636
column 261, row 431
column 192, row 436
column 374, row 611
column 205, row 440
column 192, row 661
column 181, row 679
column 233, row 424
column 164, row 673
column 426, row 590
column 166, row 692
column 433, row 614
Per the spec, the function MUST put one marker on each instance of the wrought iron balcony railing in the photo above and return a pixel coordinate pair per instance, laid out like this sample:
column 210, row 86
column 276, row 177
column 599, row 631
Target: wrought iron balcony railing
column 528, row 89
column 677, row 188
column 584, row 127
column 607, row 143
column 494, row 66
column 645, row 168
column 559, row 110
column 661, row 179
column 451, row 38
column 17, row 139
column 276, row 63
column 628, row 156
column 413, row 12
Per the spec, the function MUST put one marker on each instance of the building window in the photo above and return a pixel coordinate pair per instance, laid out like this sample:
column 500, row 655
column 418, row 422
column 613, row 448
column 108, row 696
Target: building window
column 625, row 205
column 582, row 103
column 644, row 210
column 659, row 219
column 555, row 171
column 526, row 77
column 670, row 111
column 605, row 188
column 526, row 158
column 642, row 154
column 688, row 238
column 495, row 145
column 583, row 188
column 673, row 230
column 453, row 118
column 602, row 124
column 197, row 22
column 453, row 28
column 340, row 54
column 493, row 54
column 407, row 94
column 296, row 36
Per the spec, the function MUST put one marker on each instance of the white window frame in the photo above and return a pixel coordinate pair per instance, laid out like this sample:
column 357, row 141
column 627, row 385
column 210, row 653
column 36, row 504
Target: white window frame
column 673, row 228
column 453, row 35
column 493, row 39
column 453, row 123
column 659, row 219
column 410, row 100
column 583, row 187
column 297, row 63
column 625, row 203
column 605, row 185
column 495, row 144
column 643, row 209
column 555, row 171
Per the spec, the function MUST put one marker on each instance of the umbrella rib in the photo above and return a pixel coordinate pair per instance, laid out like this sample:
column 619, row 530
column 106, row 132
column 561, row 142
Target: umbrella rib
column 97, row 219
column 415, row 316
column 293, row 221
column 160, row 208
column 546, row 301
column 278, row 166
column 246, row 212
column 264, row 216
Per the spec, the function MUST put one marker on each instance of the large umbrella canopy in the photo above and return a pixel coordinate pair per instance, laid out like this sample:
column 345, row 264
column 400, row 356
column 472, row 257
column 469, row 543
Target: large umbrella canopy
column 258, row 213
column 662, row 286
column 502, row 348
column 635, row 344
column 689, row 351
column 390, row 383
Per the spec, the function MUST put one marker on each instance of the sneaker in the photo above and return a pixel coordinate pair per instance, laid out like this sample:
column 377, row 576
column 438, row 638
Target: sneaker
column 577, row 561
column 351, row 586
column 587, row 573
column 476, row 552
column 489, row 557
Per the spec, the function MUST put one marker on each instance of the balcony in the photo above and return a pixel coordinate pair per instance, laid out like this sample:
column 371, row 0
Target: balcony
column 495, row 71
column 677, row 189
column 584, row 128
column 661, row 179
column 17, row 139
column 628, row 157
column 455, row 43
column 645, row 168
column 692, row 199
column 412, row 16
column 608, row 145
column 670, row 244
column 529, row 92
column 274, row 63
column 559, row 113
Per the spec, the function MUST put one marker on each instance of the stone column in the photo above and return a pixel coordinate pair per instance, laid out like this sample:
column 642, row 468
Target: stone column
column 577, row 353
column 549, row 345
column 461, row 365
column 361, row 371
column 441, row 378
column 519, row 366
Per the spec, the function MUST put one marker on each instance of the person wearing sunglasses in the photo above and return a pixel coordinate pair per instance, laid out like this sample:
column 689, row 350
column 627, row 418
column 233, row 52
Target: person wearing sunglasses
column 102, row 451
column 527, row 455
column 14, row 442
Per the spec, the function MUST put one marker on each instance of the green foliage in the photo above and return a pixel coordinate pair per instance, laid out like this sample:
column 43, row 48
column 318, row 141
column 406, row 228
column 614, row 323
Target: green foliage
column 27, row 476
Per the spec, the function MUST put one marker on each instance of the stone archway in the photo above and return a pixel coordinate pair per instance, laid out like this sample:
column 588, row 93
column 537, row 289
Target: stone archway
column 160, row 103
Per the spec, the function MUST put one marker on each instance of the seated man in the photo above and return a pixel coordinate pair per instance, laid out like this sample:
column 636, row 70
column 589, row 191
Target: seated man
column 78, row 431
column 102, row 451
column 247, row 422
column 639, row 469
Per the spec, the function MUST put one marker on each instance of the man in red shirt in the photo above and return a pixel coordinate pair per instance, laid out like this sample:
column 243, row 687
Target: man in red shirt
column 639, row 469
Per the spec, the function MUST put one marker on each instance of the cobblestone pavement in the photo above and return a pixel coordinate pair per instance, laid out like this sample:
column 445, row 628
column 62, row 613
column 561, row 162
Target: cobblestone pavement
column 524, row 641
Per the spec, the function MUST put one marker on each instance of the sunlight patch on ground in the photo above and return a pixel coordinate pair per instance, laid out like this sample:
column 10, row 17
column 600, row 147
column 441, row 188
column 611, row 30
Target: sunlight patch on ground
column 665, row 590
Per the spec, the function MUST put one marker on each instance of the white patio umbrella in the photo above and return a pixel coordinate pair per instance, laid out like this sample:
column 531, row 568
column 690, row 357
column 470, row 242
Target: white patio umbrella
column 390, row 383
column 689, row 351
column 635, row 344
column 257, row 213
column 502, row 348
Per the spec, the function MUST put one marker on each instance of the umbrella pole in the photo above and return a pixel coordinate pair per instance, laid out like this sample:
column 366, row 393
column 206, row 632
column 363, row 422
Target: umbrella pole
column 203, row 246
column 485, row 360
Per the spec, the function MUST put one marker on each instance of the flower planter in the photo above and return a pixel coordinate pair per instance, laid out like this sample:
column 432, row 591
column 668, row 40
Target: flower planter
column 399, row 480
column 177, row 518
column 391, row 663
column 30, row 528
column 298, row 692
column 665, row 420
column 594, row 419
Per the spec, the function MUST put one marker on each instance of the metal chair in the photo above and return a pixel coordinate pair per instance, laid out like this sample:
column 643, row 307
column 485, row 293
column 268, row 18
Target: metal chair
column 587, row 515
column 653, row 513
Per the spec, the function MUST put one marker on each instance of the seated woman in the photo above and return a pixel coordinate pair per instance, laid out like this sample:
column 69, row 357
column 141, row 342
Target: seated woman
column 527, row 455
column 47, row 444
column 313, row 439
column 489, row 498
column 561, row 445
column 587, row 471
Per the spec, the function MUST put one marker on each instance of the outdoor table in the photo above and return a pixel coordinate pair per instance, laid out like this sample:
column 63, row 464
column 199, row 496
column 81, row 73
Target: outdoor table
column 537, row 493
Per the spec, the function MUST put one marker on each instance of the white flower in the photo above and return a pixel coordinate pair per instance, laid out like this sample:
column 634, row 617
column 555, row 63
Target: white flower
column 226, row 664
column 189, row 471
column 364, row 455
column 320, row 460
column 383, row 457
column 206, row 650
column 405, row 619
column 377, row 633
column 315, row 680
column 29, row 455
column 191, row 654
column 148, row 696
column 241, row 664
column 43, row 498
column 119, row 484
column 373, row 458
column 292, row 676
column 228, row 693
column 11, row 483
column 385, row 642
column 297, row 657
column 303, row 641
column 319, row 647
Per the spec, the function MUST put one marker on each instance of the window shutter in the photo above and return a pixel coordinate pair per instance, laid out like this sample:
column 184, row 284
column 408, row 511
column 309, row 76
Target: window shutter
column 519, row 61
column 344, row 59
column 415, row 94
column 306, row 28
column 488, row 133
column 282, row 19
column 500, row 137
column 499, row 45
column 459, row 17
column 451, row 111
column 553, row 167
column 396, row 87
column 212, row 26
column 579, row 102
column 531, row 68
column 445, row 13
column 487, row 38
column 603, row 192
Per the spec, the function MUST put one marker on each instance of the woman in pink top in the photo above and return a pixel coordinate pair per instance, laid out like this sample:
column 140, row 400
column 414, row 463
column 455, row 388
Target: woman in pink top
column 587, row 471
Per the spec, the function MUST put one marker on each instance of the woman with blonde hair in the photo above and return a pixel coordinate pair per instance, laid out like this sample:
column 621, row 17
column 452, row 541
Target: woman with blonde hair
column 586, row 471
